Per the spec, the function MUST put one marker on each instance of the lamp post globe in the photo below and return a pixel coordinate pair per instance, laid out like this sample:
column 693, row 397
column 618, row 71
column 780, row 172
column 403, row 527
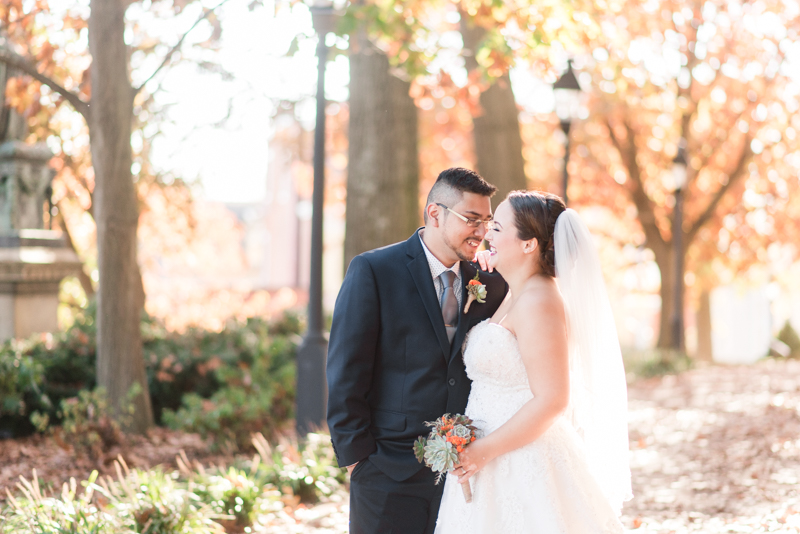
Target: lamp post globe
column 568, row 95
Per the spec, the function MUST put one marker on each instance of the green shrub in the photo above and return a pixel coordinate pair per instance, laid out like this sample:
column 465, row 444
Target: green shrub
column 137, row 502
column 789, row 336
column 37, row 513
column 154, row 502
column 21, row 378
column 68, row 362
column 181, row 502
column 232, row 494
column 654, row 362
column 307, row 470
column 257, row 396
column 65, row 365
column 38, row 374
column 203, row 363
column 87, row 423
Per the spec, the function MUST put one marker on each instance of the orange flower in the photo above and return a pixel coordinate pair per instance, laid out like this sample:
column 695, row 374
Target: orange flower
column 474, row 283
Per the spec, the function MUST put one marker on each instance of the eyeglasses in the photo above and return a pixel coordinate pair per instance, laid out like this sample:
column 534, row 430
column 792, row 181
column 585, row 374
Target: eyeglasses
column 472, row 223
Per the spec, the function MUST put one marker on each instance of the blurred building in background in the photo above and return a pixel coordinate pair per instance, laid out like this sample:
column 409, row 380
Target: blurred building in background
column 277, row 229
column 240, row 260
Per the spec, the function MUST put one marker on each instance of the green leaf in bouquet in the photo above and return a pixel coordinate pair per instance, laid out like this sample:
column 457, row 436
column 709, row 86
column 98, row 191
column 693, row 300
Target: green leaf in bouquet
column 419, row 449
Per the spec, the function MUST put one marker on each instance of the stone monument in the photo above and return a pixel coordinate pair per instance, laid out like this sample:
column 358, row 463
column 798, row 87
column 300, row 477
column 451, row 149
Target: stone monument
column 33, row 259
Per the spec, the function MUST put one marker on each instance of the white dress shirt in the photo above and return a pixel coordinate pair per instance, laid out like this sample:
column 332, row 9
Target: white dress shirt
column 437, row 268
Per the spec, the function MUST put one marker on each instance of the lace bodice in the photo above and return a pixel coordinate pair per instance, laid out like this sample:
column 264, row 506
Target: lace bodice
column 494, row 358
column 499, row 380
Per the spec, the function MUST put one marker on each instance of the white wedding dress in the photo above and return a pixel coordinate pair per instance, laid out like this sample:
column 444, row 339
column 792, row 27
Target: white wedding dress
column 545, row 487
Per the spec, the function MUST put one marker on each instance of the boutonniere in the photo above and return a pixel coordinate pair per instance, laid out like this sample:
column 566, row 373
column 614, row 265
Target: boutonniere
column 476, row 291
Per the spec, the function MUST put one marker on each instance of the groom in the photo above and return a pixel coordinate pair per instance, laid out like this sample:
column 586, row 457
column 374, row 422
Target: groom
column 395, row 360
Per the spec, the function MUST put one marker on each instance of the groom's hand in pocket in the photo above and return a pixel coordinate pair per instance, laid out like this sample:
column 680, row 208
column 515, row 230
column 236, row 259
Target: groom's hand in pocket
column 350, row 468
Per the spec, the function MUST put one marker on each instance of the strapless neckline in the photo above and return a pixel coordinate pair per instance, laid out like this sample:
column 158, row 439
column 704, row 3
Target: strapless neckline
column 489, row 321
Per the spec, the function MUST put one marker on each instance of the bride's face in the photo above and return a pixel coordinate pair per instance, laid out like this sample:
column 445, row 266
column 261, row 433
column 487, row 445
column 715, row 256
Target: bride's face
column 507, row 249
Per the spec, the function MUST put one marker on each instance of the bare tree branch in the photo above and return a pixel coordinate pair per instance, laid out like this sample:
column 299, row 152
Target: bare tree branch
column 637, row 193
column 717, row 145
column 19, row 63
column 736, row 175
column 177, row 47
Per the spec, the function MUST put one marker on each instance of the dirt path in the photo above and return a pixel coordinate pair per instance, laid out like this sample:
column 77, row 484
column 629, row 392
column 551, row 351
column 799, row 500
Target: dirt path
column 717, row 449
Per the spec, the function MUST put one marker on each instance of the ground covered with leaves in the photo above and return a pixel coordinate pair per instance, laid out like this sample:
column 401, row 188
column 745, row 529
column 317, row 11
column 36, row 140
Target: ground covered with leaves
column 56, row 462
column 716, row 449
column 713, row 450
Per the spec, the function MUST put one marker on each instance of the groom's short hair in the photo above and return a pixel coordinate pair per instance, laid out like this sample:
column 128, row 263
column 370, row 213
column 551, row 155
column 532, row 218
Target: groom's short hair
column 454, row 181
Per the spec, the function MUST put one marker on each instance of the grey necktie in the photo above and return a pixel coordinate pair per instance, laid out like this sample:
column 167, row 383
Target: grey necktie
column 449, row 304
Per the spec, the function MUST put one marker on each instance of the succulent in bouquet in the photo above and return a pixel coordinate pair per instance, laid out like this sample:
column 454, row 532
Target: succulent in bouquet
column 441, row 448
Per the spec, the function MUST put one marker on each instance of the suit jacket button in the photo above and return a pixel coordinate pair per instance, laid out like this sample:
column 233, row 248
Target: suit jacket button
column 452, row 381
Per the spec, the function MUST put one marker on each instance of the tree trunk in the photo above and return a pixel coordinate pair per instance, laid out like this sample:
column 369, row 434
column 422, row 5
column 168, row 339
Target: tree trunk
column 666, row 264
column 120, row 298
column 383, row 168
column 498, row 142
column 704, row 347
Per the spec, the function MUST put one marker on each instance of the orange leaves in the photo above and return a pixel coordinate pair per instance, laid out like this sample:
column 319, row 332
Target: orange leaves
column 73, row 22
column 17, row 15
column 445, row 130
column 736, row 125
column 23, row 94
column 45, row 53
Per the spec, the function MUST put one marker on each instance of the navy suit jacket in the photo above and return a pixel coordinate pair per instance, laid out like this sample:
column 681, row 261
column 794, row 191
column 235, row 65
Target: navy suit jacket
column 390, row 366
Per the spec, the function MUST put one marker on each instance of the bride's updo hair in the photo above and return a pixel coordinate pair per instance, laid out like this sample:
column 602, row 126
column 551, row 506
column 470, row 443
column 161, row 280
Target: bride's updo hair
column 535, row 215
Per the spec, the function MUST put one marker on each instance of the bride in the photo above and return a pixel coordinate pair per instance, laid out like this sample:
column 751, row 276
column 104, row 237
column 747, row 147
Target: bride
column 548, row 386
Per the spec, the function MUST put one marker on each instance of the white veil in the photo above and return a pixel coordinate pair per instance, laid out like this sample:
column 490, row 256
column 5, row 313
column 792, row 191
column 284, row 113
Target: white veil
column 598, row 404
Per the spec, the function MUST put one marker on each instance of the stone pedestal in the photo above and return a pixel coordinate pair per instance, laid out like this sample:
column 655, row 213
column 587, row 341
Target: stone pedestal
column 32, row 265
column 33, row 260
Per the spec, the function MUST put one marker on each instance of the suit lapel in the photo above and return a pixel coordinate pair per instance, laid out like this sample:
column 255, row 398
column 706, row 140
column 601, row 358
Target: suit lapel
column 465, row 320
column 421, row 273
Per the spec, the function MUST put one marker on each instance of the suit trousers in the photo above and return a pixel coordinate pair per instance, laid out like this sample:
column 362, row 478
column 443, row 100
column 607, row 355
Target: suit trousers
column 381, row 505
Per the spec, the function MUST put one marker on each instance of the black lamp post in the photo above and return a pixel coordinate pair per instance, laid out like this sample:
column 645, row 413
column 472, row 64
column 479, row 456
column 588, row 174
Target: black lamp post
column 679, row 165
column 567, row 94
column 312, row 391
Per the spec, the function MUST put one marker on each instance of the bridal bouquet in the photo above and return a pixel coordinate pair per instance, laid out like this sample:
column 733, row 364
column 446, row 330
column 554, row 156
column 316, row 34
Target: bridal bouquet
column 448, row 437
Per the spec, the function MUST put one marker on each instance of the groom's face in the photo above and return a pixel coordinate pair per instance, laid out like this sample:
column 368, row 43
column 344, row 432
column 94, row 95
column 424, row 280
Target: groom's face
column 463, row 240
